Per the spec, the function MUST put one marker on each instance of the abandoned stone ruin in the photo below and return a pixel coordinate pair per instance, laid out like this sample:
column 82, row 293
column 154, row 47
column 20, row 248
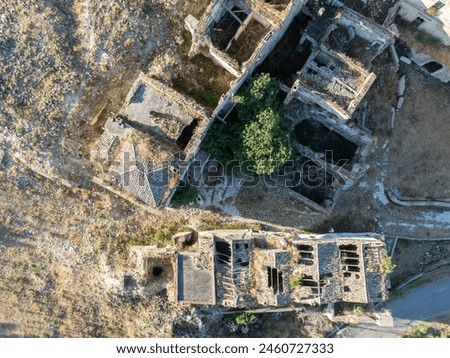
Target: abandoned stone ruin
column 251, row 269
column 147, row 146
column 236, row 34
column 321, row 52
column 433, row 18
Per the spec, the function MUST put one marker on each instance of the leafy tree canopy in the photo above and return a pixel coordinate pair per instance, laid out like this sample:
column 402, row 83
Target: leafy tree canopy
column 265, row 143
column 260, row 94
column 257, row 137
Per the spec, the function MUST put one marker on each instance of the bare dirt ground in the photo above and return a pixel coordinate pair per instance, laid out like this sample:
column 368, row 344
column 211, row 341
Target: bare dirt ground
column 64, row 251
column 419, row 152
column 300, row 324
column 413, row 257
column 64, row 254
column 274, row 205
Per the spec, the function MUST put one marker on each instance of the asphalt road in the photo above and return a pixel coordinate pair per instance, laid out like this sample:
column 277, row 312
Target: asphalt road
column 423, row 303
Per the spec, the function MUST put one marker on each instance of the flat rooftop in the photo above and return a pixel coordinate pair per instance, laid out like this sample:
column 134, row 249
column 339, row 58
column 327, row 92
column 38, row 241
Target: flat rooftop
column 152, row 108
column 190, row 276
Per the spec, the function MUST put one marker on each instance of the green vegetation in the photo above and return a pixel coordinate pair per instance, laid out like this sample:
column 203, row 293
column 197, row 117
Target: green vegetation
column 229, row 226
column 358, row 309
column 224, row 142
column 159, row 237
column 259, row 95
column 242, row 319
column 419, row 35
column 205, row 81
column 424, row 331
column 266, row 144
column 184, row 196
column 207, row 98
column 387, row 266
column 402, row 292
column 20, row 131
column 257, row 137
column 295, row 282
column 428, row 39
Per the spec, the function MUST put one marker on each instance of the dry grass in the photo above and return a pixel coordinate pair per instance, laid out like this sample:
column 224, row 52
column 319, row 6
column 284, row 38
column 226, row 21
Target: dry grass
column 64, row 254
column 245, row 45
column 425, row 43
column 431, row 330
column 419, row 153
column 203, row 80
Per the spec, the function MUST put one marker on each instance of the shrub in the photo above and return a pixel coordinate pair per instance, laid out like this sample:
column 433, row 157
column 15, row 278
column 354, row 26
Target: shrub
column 266, row 145
column 424, row 331
column 387, row 266
column 244, row 319
column 207, row 98
column 224, row 142
column 184, row 196
column 295, row 282
column 259, row 95
column 358, row 309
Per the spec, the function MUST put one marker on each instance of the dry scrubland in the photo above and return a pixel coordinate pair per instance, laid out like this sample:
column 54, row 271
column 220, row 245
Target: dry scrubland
column 64, row 251
column 419, row 144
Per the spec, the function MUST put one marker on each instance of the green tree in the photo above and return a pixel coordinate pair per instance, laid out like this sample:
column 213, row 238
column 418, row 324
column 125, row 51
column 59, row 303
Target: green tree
column 257, row 138
column 260, row 94
column 265, row 143
column 224, row 141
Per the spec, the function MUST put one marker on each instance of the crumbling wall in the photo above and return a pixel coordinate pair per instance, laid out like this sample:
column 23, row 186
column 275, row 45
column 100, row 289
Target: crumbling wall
column 271, row 276
column 437, row 26
column 264, row 48
column 366, row 29
column 154, row 270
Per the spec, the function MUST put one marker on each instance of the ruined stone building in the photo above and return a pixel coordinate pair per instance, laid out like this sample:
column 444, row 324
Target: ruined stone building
column 430, row 16
column 147, row 146
column 236, row 33
column 251, row 269
column 336, row 76
column 321, row 52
